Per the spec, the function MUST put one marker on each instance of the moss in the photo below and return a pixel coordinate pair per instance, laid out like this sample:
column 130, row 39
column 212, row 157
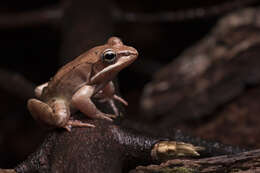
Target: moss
column 177, row 170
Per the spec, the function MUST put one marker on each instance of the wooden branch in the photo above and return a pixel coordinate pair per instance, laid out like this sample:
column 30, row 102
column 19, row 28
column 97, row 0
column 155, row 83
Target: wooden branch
column 51, row 15
column 182, row 15
column 242, row 162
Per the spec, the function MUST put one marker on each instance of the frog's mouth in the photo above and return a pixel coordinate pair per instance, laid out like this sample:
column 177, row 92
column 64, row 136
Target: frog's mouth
column 111, row 71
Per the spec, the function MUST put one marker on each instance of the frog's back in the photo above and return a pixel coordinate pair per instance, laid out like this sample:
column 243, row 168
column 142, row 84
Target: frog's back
column 89, row 57
column 73, row 75
column 68, row 79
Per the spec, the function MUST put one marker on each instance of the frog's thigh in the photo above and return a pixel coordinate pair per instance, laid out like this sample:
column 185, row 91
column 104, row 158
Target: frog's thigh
column 42, row 112
column 81, row 100
column 38, row 89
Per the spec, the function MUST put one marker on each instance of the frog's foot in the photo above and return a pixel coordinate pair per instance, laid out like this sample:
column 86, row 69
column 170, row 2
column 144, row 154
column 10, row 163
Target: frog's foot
column 165, row 150
column 77, row 123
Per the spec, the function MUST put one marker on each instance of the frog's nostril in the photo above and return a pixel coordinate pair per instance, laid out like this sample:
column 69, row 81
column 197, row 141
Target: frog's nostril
column 129, row 52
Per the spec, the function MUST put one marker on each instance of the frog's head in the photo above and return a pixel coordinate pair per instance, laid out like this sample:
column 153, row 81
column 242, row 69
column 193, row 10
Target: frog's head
column 110, row 59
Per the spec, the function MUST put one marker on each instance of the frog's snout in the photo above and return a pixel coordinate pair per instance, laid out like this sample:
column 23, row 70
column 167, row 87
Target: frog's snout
column 133, row 51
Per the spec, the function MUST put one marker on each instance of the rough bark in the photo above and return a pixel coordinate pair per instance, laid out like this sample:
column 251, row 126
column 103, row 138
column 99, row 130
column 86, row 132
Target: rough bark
column 106, row 148
column 96, row 150
column 243, row 163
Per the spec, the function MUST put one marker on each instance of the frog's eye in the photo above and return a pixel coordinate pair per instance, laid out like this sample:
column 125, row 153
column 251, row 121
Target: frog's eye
column 109, row 56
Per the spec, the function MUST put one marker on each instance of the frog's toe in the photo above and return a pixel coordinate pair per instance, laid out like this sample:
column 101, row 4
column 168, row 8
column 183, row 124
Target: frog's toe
column 111, row 116
column 68, row 127
column 77, row 123
column 165, row 150
column 107, row 117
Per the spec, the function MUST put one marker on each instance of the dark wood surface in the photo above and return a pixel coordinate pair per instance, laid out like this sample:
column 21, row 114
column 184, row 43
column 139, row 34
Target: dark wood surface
column 243, row 163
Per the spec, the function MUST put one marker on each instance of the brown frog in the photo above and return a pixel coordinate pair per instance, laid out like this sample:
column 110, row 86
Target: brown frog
column 73, row 86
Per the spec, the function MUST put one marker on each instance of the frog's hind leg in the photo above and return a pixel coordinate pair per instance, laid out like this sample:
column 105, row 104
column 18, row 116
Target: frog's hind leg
column 41, row 112
column 57, row 114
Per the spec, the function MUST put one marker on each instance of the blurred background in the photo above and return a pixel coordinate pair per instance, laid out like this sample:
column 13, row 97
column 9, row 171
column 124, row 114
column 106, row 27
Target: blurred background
column 38, row 37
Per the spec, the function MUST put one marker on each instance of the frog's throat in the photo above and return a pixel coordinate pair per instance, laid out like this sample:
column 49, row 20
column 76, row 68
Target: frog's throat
column 111, row 71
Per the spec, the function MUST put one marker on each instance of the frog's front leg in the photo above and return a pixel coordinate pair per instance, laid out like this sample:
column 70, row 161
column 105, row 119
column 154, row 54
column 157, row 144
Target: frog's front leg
column 81, row 100
column 57, row 114
column 109, row 91
column 108, row 94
